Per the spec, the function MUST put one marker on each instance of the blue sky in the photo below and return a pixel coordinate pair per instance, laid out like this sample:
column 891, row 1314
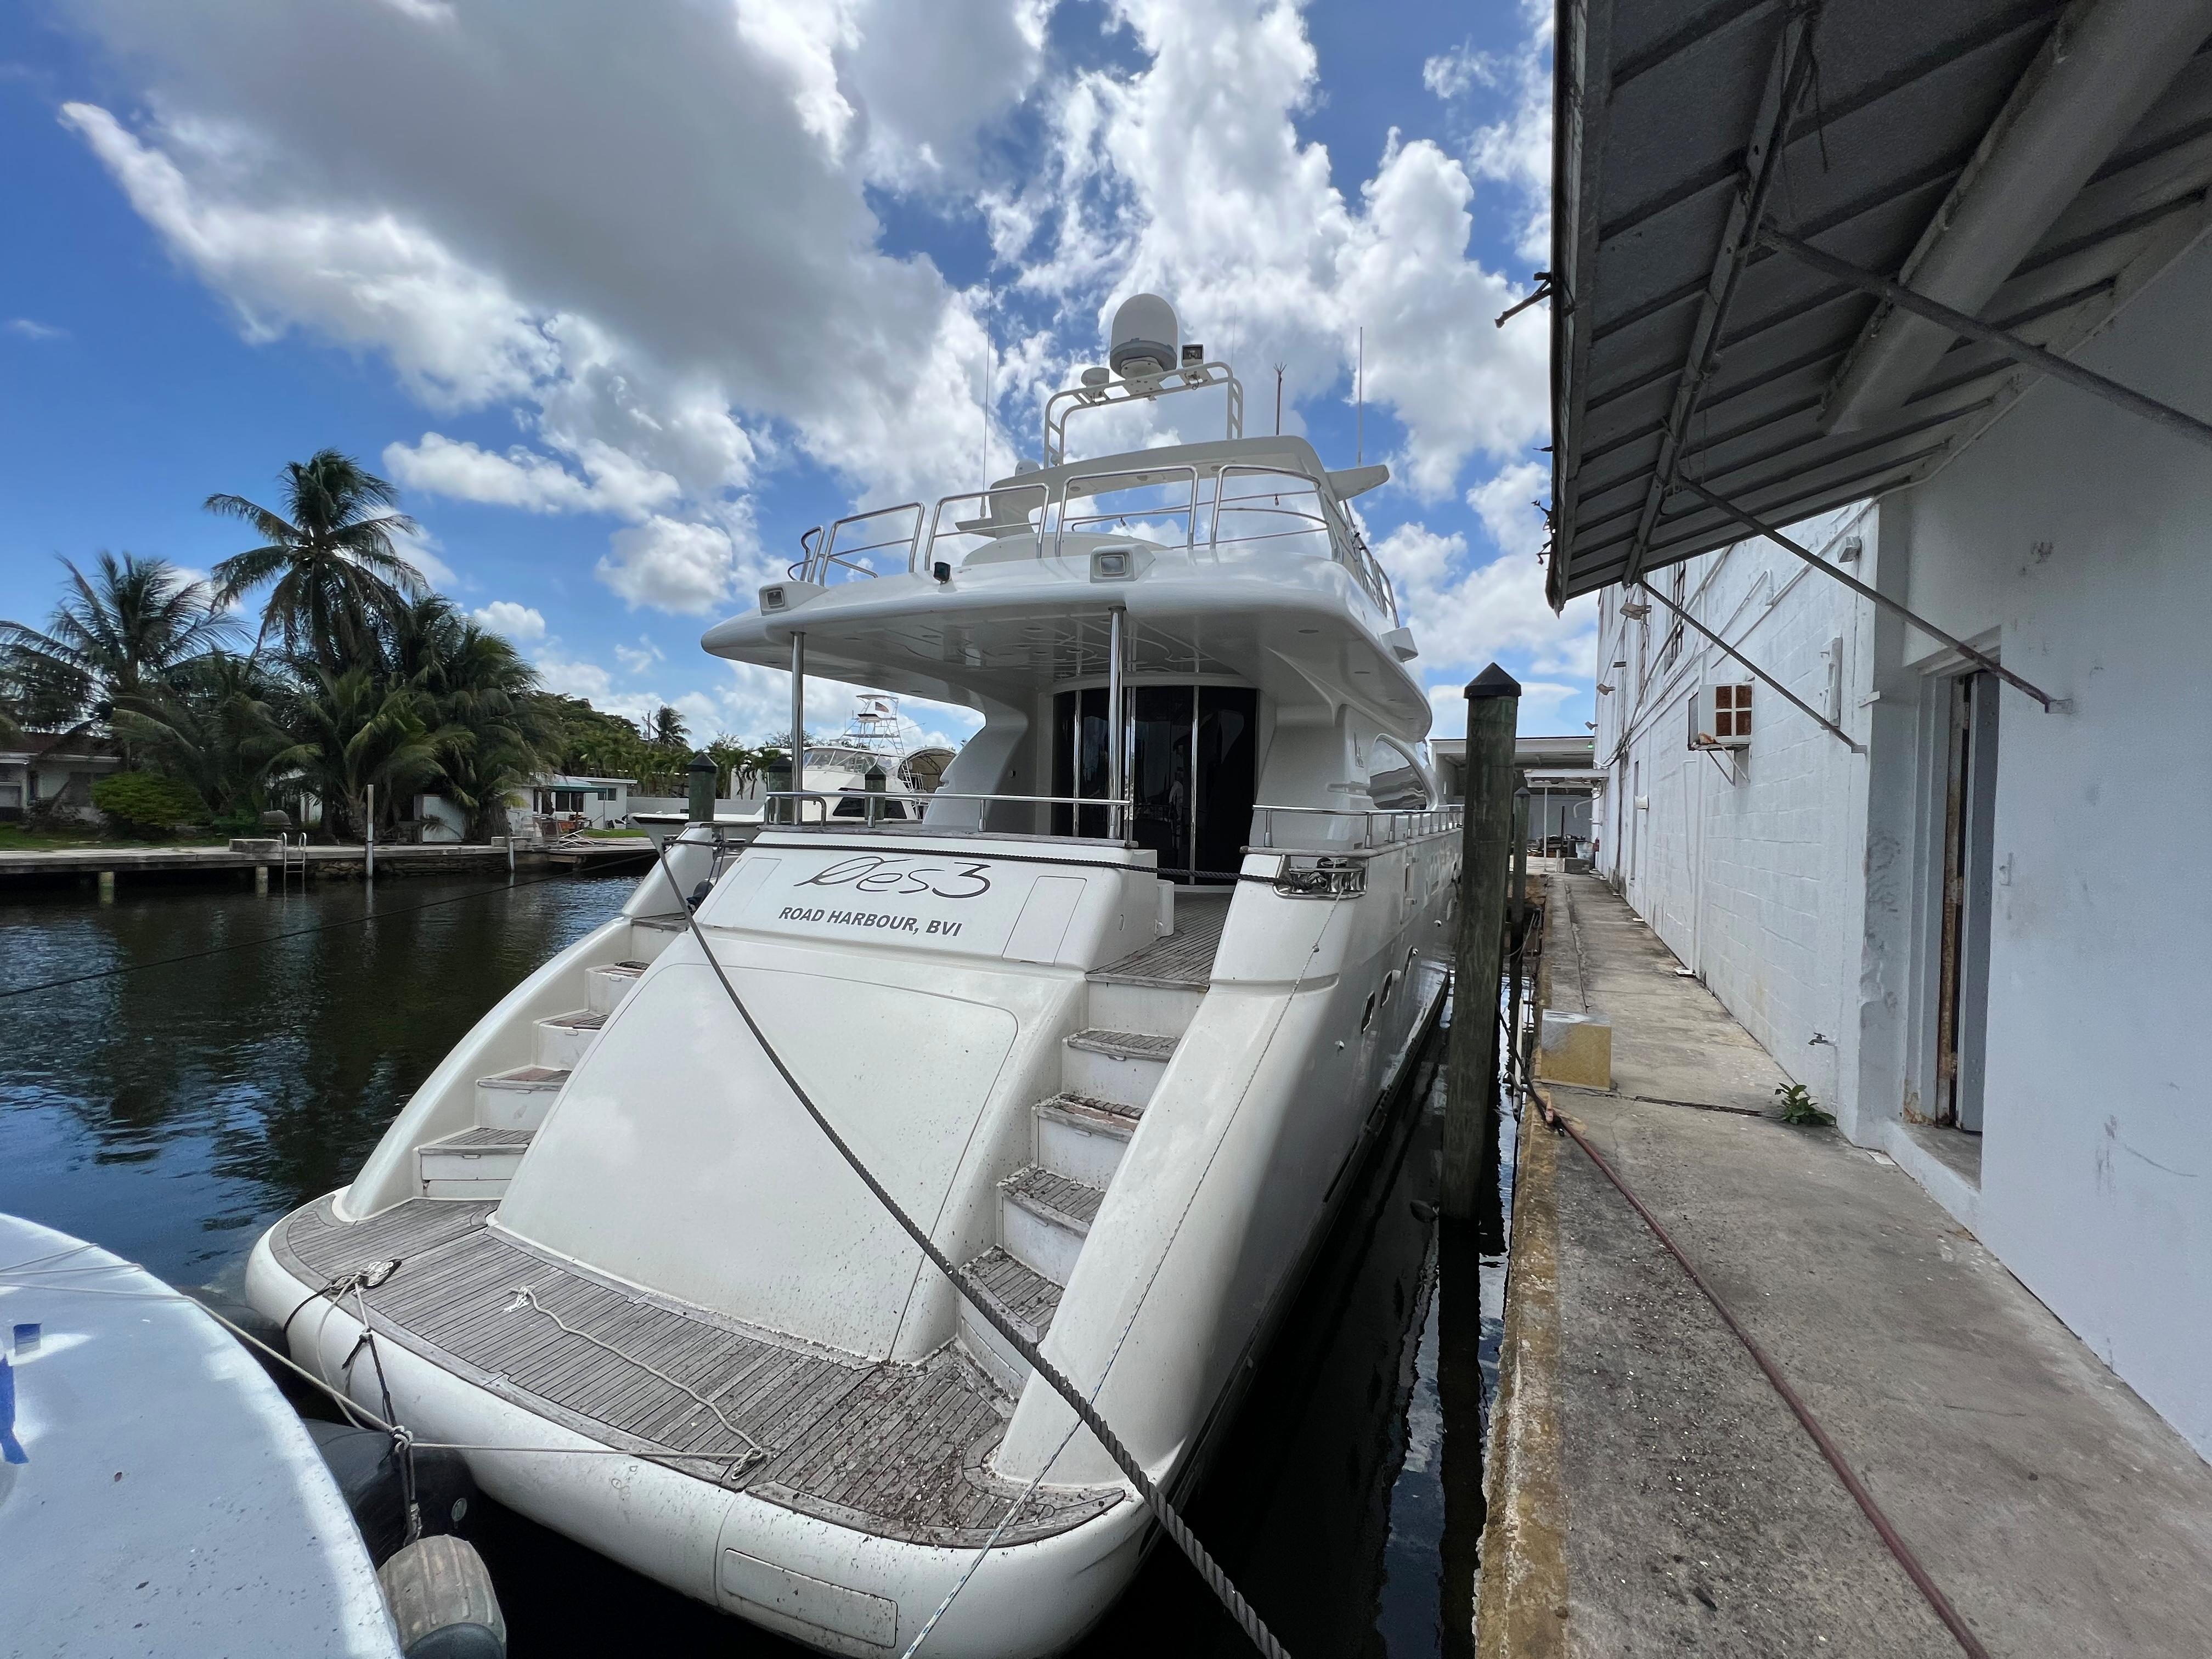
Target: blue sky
column 624, row 299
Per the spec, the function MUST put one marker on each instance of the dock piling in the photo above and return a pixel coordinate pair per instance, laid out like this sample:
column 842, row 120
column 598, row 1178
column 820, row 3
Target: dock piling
column 1493, row 708
column 261, row 881
column 107, row 887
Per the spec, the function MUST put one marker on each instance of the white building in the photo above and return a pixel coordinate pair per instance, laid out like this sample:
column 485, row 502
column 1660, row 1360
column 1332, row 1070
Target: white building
column 598, row 801
column 1970, row 924
column 38, row 769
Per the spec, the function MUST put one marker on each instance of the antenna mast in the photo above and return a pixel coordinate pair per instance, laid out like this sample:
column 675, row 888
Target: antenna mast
column 1278, row 400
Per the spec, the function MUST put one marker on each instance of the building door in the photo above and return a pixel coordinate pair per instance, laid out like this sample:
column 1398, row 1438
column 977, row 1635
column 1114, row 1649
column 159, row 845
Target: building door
column 1968, row 893
column 1193, row 772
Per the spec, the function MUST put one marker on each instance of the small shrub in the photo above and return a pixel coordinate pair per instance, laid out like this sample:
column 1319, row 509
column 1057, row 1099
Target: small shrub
column 146, row 803
column 1797, row 1107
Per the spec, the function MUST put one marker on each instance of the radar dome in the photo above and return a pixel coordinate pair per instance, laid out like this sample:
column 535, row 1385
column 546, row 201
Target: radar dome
column 1147, row 340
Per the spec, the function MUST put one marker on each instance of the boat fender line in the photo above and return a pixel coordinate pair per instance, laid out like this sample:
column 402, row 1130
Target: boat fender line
column 1247, row 1618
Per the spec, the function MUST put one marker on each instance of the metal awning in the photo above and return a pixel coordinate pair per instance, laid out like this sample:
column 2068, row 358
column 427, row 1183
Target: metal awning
column 1984, row 153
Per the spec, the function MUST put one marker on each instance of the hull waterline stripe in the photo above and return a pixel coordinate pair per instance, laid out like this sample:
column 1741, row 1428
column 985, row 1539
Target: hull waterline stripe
column 1171, row 1522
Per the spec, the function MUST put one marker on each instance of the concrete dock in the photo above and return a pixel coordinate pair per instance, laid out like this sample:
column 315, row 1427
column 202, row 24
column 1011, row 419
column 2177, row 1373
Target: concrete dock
column 1650, row 1491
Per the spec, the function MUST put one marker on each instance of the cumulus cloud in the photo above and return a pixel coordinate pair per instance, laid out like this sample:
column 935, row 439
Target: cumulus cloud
column 523, row 623
column 673, row 564
column 1464, row 609
column 1189, row 177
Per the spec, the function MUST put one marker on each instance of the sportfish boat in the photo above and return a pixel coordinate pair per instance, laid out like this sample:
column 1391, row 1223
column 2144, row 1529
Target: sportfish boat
column 1112, row 1024
column 836, row 778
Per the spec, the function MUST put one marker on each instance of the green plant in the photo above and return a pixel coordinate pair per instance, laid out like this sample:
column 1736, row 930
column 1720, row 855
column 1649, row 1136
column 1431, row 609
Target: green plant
column 1798, row 1107
column 146, row 802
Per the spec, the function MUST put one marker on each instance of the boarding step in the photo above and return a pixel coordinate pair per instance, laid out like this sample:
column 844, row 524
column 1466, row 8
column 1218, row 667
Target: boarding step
column 1083, row 1138
column 517, row 1099
column 1122, row 1066
column 649, row 935
column 1026, row 1298
column 605, row 986
column 1043, row 1218
column 562, row 1039
column 475, row 1164
column 1120, row 1003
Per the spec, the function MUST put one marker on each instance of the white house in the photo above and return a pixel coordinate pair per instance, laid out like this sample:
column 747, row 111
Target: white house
column 1922, row 857
column 38, row 768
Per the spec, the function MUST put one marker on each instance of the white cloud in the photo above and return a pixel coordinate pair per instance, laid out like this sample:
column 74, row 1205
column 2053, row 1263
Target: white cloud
column 635, row 659
column 1465, row 612
column 673, row 564
column 424, row 551
column 1189, row 177
column 524, row 624
column 31, row 329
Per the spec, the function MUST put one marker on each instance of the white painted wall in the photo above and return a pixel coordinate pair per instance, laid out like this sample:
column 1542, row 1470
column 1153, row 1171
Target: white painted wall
column 1746, row 865
column 2079, row 538
column 2075, row 541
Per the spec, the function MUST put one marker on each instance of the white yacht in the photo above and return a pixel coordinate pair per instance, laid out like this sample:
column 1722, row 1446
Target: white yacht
column 836, row 779
column 1113, row 1023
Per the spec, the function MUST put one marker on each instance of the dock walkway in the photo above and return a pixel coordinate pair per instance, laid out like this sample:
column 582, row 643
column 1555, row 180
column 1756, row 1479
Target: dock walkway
column 1649, row 1491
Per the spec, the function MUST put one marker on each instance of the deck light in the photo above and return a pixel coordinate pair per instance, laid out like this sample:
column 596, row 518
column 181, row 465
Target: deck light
column 942, row 571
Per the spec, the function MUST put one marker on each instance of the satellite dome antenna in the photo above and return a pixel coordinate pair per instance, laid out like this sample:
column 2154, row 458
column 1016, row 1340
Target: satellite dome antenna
column 1147, row 341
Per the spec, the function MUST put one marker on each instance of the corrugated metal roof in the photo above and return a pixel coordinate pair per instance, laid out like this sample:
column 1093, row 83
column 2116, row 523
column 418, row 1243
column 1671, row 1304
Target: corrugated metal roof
column 1659, row 106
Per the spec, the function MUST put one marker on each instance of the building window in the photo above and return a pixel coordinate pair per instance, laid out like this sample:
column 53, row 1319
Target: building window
column 1680, row 585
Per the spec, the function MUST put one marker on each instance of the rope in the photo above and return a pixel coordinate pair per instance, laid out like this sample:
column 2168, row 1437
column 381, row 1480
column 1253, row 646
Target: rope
column 526, row 1297
column 1169, row 1522
column 297, row 933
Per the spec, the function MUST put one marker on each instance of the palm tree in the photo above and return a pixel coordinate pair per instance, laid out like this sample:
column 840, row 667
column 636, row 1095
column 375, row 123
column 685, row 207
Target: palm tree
column 213, row 725
column 110, row 644
column 478, row 685
column 356, row 732
column 330, row 557
column 667, row 730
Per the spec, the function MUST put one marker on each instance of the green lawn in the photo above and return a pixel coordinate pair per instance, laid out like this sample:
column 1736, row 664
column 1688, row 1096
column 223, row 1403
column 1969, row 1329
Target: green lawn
column 14, row 838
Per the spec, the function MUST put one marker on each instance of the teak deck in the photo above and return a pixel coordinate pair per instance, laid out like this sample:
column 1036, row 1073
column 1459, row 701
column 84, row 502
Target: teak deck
column 893, row 1449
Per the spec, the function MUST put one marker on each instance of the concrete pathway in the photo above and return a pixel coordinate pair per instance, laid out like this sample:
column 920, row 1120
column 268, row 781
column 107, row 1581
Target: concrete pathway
column 1650, row 1492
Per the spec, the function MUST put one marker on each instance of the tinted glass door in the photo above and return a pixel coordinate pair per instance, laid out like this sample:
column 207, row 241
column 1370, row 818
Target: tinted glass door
column 1192, row 761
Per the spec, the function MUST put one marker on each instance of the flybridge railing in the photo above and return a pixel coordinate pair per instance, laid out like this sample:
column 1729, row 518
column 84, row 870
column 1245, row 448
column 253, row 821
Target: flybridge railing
column 1231, row 508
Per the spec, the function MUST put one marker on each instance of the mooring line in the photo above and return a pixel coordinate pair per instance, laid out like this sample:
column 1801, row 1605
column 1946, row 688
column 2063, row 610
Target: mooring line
column 1170, row 1522
column 1890, row 1536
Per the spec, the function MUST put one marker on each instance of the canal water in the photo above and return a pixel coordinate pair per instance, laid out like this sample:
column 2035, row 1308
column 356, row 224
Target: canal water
column 173, row 1112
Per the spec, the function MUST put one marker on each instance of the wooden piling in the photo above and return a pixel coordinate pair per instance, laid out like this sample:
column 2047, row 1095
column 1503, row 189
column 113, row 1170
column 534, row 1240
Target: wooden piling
column 1493, row 708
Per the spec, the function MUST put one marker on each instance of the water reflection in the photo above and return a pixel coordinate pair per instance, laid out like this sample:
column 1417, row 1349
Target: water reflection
column 173, row 1113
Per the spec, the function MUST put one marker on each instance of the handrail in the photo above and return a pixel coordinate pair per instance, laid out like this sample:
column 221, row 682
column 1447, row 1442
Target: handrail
column 1155, row 476
column 1432, row 821
column 827, row 553
column 1186, row 377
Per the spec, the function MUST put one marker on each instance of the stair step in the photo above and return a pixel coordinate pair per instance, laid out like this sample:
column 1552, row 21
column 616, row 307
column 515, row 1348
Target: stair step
column 475, row 1163
column 517, row 1099
column 605, row 986
column 649, row 935
column 562, row 1039
column 1126, row 1003
column 1025, row 1296
column 1082, row 1137
column 1043, row 1218
column 1125, row 1045
column 1117, row 1066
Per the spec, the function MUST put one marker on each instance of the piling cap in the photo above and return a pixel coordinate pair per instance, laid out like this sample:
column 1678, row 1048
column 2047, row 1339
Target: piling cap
column 701, row 762
column 1492, row 682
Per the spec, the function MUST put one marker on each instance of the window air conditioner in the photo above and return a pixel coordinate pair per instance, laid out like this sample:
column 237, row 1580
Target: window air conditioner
column 1720, row 717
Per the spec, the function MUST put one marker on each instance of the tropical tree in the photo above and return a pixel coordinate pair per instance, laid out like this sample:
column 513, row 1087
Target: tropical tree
column 118, row 632
column 333, row 573
column 475, row 683
column 356, row 732
column 666, row 730
column 213, row 725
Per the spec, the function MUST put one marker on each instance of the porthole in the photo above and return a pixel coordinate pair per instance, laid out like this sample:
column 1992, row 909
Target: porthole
column 1367, row 1014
